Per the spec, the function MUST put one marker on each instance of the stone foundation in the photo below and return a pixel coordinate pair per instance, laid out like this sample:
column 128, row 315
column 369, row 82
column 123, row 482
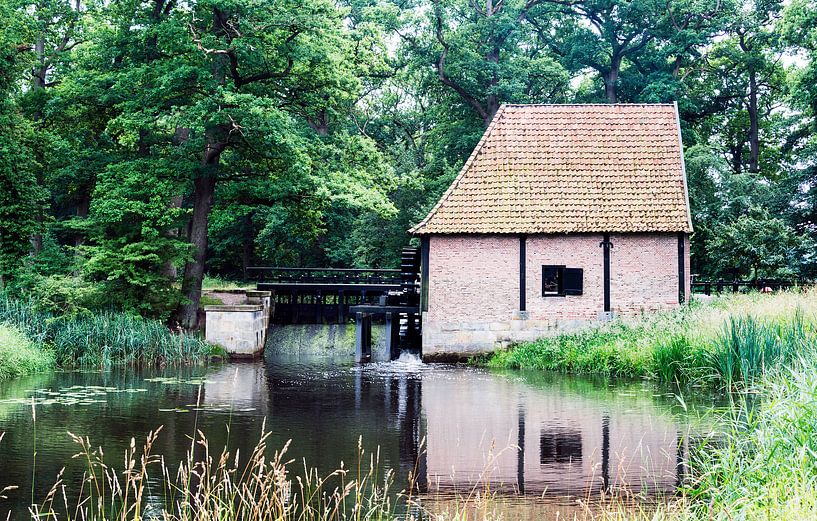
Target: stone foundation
column 455, row 340
column 241, row 329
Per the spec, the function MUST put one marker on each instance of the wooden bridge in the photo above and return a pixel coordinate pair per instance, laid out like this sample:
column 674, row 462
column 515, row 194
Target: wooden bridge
column 341, row 295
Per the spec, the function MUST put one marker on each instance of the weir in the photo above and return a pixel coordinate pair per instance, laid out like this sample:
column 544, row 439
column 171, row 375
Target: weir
column 343, row 296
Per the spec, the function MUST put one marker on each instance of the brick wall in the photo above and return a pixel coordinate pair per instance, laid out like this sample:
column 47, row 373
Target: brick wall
column 473, row 277
column 572, row 251
column 644, row 272
column 474, row 285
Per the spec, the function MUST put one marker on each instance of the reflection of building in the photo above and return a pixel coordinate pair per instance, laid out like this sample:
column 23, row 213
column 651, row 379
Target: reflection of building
column 523, row 439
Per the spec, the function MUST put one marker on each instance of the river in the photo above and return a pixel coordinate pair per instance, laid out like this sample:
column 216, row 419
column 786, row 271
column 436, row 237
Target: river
column 542, row 441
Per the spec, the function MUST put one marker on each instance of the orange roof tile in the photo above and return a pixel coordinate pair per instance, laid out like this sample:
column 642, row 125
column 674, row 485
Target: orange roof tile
column 570, row 169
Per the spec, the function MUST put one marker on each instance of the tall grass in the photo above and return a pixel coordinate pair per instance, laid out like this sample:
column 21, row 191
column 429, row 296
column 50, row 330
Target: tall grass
column 763, row 464
column 220, row 486
column 728, row 343
column 102, row 339
column 19, row 356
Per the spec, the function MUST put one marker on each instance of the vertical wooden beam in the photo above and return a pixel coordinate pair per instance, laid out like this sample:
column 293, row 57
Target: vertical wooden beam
column 681, row 267
column 363, row 337
column 606, row 245
column 393, row 335
column 523, row 239
column 424, row 252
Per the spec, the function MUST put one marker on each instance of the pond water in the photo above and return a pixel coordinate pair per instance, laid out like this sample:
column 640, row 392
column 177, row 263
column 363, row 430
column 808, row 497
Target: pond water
column 542, row 440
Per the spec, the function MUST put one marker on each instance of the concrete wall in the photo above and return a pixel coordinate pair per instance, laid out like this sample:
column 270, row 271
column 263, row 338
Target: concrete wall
column 473, row 302
column 240, row 330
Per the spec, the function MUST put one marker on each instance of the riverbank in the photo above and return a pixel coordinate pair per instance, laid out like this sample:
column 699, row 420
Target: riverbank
column 35, row 341
column 727, row 342
column 19, row 356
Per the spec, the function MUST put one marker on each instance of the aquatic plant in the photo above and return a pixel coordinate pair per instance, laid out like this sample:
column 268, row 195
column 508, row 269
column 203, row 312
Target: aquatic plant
column 103, row 339
column 19, row 356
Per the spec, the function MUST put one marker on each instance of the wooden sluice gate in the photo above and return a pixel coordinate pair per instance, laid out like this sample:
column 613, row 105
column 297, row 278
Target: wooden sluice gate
column 340, row 296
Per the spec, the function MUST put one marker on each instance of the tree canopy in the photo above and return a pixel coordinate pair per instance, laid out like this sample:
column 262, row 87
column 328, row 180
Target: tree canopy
column 145, row 143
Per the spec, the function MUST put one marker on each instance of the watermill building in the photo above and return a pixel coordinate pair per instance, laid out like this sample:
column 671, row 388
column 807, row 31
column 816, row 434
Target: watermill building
column 562, row 215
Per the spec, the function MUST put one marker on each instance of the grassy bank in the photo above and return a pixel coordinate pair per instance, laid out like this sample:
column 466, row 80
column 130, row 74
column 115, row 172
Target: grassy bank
column 764, row 464
column 729, row 342
column 103, row 339
column 19, row 356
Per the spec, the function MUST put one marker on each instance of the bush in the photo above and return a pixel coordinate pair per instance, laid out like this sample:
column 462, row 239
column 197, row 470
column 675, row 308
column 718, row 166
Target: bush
column 19, row 356
column 729, row 343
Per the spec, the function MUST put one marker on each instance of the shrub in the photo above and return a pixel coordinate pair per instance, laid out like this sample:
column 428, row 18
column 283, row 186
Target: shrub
column 19, row 356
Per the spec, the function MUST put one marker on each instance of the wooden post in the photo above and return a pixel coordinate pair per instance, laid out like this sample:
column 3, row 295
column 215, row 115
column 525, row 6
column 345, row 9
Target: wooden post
column 681, row 268
column 606, row 245
column 424, row 251
column 393, row 335
column 363, row 338
column 341, row 308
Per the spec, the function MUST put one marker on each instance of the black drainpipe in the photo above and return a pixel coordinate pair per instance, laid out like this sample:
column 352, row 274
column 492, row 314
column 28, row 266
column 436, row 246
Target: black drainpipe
column 606, row 245
column 522, row 270
column 681, row 268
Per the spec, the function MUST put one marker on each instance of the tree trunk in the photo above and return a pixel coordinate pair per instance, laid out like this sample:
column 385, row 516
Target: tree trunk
column 247, row 247
column 754, row 133
column 204, row 186
column 203, row 190
column 610, row 81
column 83, row 207
column 492, row 101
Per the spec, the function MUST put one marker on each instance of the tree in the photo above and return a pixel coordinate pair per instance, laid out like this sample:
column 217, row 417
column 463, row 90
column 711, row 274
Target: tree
column 757, row 245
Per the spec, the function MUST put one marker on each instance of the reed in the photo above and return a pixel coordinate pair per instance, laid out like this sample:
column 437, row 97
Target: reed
column 728, row 343
column 103, row 339
column 220, row 486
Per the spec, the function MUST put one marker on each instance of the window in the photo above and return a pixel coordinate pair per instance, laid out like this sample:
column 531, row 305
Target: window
column 558, row 281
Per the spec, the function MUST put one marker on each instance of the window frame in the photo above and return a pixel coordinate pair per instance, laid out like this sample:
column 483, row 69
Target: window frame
column 560, row 281
column 560, row 268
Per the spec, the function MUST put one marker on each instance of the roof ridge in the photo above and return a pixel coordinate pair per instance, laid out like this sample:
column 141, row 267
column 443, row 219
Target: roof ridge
column 588, row 104
column 463, row 170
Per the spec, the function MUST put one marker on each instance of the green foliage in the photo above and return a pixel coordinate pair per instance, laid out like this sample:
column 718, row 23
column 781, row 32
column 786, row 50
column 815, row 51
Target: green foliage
column 759, row 246
column 324, row 130
column 731, row 343
column 103, row 339
column 19, row 356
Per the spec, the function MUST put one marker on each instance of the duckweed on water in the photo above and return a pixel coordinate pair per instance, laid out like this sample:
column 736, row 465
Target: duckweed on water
column 74, row 395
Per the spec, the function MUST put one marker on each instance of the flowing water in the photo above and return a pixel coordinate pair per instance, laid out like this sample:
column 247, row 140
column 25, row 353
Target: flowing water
column 538, row 438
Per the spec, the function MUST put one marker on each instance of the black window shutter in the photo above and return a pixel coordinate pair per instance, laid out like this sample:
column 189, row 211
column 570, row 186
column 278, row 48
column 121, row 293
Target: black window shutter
column 573, row 281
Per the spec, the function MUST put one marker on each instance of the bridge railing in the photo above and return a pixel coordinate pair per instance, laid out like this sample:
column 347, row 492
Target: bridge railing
column 281, row 275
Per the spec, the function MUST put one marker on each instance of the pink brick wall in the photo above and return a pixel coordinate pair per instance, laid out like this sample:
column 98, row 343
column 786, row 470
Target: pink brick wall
column 573, row 251
column 644, row 272
column 476, row 278
column 473, row 277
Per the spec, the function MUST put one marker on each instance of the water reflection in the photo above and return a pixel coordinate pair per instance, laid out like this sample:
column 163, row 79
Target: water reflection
column 453, row 428
column 483, row 429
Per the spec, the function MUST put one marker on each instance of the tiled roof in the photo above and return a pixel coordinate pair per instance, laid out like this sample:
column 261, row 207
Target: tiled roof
column 570, row 169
